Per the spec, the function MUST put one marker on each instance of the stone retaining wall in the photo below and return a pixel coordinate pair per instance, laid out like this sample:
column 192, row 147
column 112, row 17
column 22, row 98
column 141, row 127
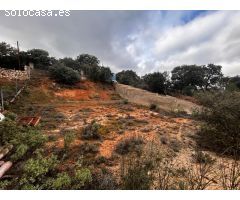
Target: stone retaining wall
column 12, row 74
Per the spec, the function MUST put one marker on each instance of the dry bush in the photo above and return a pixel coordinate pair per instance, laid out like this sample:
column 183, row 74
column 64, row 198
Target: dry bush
column 87, row 148
column 199, row 176
column 201, row 157
column 135, row 173
column 91, row 131
column 175, row 145
column 164, row 174
column 156, row 168
column 103, row 179
column 230, row 175
column 129, row 145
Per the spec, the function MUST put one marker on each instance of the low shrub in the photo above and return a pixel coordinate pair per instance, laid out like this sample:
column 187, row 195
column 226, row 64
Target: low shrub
column 221, row 130
column 35, row 170
column 164, row 140
column 200, row 157
column 103, row 179
column 86, row 148
column 11, row 116
column 91, row 131
column 175, row 145
column 132, row 144
column 23, row 139
column 69, row 137
column 135, row 173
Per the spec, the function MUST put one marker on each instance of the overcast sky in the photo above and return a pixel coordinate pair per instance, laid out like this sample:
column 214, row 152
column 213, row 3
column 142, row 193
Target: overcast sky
column 144, row 41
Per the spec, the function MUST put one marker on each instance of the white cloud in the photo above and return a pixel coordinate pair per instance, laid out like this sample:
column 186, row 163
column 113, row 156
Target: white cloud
column 214, row 38
column 144, row 41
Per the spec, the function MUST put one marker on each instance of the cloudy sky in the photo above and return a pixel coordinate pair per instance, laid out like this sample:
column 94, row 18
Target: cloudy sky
column 144, row 41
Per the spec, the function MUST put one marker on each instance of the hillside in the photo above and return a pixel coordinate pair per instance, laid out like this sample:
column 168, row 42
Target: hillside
column 81, row 108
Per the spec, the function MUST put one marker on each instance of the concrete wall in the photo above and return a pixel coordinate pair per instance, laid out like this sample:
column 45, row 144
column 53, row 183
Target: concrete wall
column 143, row 97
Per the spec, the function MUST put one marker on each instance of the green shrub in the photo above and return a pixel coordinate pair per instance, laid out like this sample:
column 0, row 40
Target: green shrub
column 35, row 170
column 188, row 90
column 21, row 150
column 63, row 74
column 221, row 130
column 62, row 181
column 23, row 139
column 68, row 139
column 4, row 184
column 82, row 177
column 11, row 115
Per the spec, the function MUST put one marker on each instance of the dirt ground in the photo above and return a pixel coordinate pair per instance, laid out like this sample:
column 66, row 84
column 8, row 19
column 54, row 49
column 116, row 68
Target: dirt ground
column 72, row 109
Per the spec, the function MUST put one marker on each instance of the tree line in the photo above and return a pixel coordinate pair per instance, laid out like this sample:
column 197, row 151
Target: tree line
column 66, row 70
column 185, row 79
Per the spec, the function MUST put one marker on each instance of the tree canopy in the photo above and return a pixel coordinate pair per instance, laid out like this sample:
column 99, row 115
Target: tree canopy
column 9, row 57
column 128, row 77
column 156, row 82
column 70, row 62
column 87, row 60
column 63, row 74
column 197, row 77
column 40, row 58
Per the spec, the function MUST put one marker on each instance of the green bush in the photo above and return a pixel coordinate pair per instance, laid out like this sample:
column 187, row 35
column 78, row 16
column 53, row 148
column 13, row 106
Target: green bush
column 188, row 90
column 221, row 114
column 82, row 177
column 62, row 181
column 21, row 150
column 41, row 172
column 35, row 170
column 68, row 139
column 11, row 116
column 63, row 74
column 23, row 139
